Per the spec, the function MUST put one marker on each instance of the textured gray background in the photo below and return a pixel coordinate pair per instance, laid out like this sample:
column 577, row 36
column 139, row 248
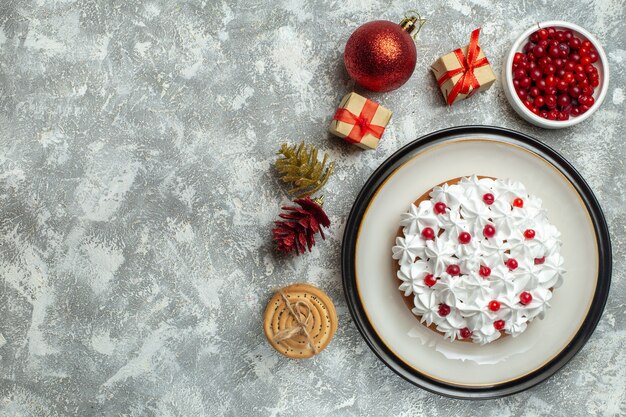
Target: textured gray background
column 137, row 194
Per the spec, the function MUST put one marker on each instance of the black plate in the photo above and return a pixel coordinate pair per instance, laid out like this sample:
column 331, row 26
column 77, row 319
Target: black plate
column 522, row 383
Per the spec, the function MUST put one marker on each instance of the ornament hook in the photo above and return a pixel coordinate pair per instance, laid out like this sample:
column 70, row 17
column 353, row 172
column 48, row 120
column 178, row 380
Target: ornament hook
column 413, row 24
column 319, row 200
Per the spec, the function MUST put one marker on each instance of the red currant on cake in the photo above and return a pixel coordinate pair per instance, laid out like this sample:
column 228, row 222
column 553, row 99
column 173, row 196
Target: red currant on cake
column 484, row 271
column 465, row 333
column 529, row 233
column 444, row 310
column 494, row 305
column 525, row 297
column 429, row 280
column 511, row 264
column 489, row 231
column 440, row 208
column 464, row 238
column 539, row 261
column 518, row 202
column 498, row 324
column 488, row 199
column 428, row 233
column 453, row 270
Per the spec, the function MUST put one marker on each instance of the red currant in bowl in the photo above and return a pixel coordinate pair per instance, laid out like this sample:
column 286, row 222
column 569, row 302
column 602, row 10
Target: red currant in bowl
column 556, row 79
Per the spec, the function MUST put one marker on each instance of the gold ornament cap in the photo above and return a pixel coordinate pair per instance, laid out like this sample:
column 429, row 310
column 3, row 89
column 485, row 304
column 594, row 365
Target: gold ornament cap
column 412, row 24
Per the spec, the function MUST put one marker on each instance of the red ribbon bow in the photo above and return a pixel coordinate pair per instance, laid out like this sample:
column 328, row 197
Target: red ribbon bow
column 362, row 124
column 468, row 64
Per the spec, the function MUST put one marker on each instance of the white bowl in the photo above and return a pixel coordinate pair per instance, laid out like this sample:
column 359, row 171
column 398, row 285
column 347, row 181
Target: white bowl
column 599, row 93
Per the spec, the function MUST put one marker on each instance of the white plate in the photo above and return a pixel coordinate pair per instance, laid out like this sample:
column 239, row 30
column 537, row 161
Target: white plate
column 423, row 352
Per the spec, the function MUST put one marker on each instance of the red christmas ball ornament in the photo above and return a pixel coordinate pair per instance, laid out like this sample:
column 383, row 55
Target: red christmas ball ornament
column 381, row 55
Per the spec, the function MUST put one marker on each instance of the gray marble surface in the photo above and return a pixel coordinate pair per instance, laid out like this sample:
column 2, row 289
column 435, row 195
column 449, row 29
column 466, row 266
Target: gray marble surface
column 137, row 195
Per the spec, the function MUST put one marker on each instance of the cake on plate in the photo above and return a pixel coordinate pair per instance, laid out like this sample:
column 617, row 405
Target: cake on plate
column 477, row 259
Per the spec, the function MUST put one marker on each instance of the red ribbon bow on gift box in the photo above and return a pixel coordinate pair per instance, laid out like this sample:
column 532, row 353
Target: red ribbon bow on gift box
column 468, row 64
column 362, row 123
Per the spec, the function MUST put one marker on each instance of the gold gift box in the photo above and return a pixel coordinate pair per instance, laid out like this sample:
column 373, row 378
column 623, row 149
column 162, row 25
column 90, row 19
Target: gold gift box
column 374, row 114
column 450, row 62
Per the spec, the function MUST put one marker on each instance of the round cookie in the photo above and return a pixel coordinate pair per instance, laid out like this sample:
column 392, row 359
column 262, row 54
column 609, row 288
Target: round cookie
column 303, row 336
